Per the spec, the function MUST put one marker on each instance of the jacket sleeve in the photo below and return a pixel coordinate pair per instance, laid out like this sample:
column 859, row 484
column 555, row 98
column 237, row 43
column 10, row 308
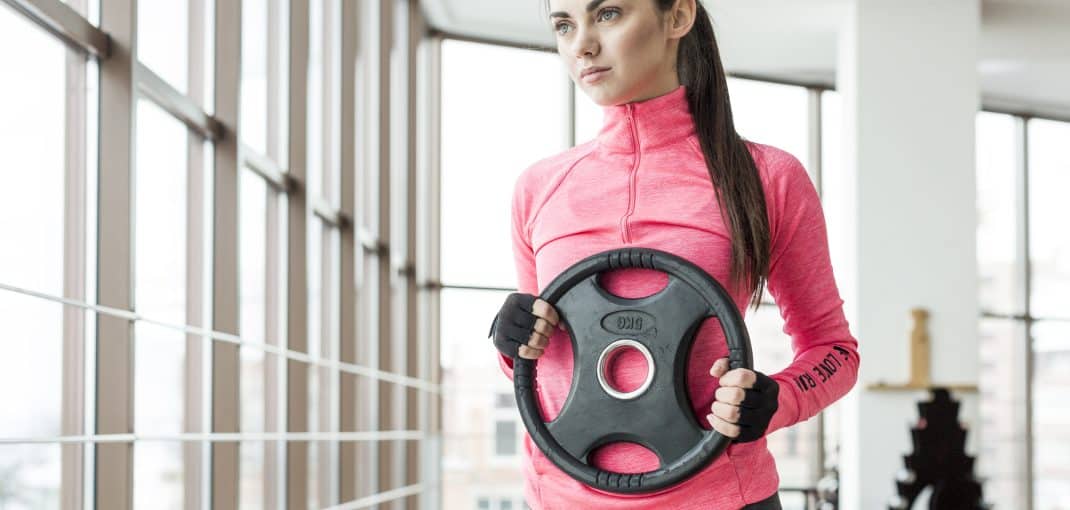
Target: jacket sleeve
column 825, row 363
column 523, row 253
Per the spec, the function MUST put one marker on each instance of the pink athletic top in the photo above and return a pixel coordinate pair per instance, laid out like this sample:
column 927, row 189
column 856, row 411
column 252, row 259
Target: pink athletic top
column 643, row 182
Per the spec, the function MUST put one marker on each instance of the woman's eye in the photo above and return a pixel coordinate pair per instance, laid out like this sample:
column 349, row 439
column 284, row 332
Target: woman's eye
column 601, row 17
column 607, row 11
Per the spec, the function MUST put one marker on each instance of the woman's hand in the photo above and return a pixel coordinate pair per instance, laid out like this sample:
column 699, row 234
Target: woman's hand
column 744, row 403
column 523, row 326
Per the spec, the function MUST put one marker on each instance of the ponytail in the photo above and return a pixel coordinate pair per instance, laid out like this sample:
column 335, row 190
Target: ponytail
column 733, row 173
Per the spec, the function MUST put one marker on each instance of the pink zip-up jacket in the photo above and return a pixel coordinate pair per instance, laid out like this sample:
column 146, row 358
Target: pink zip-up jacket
column 643, row 182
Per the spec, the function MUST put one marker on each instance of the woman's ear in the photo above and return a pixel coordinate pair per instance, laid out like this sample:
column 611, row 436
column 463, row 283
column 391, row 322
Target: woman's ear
column 682, row 17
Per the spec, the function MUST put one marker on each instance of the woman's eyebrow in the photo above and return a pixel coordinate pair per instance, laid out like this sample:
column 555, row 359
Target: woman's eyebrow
column 592, row 5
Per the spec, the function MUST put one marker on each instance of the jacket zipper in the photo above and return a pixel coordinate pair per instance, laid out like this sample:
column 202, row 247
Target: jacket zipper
column 624, row 233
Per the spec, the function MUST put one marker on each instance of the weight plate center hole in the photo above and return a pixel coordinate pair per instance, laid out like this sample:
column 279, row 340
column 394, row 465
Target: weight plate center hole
column 625, row 369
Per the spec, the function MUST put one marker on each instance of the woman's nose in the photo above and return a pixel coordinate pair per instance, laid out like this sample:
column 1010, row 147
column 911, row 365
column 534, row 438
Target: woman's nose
column 585, row 43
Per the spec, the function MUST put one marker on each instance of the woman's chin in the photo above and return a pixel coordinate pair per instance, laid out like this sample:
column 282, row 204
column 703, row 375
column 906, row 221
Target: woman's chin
column 600, row 93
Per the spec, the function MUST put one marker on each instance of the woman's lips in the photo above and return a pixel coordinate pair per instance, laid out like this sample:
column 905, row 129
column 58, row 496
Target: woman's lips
column 595, row 76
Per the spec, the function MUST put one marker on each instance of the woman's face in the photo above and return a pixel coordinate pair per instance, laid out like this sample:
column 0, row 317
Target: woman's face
column 630, row 38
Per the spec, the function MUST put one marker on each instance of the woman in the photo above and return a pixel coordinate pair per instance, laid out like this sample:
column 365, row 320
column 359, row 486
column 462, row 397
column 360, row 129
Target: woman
column 668, row 171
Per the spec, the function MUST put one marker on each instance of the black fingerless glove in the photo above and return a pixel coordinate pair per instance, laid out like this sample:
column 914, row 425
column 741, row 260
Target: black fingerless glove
column 514, row 323
column 757, row 409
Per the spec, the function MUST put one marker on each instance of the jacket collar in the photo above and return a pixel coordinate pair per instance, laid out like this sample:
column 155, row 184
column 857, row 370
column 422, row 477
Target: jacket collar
column 648, row 124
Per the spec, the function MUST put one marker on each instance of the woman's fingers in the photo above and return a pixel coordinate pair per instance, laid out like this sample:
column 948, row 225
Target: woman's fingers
column 726, row 412
column 538, row 340
column 543, row 310
column 543, row 327
column 720, row 425
column 730, row 395
column 719, row 367
column 741, row 377
column 529, row 352
column 545, row 323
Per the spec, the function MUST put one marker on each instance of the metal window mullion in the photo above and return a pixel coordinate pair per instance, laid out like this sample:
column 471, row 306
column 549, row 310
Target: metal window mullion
column 330, row 283
column 1024, row 287
column 375, row 275
column 324, row 397
column 226, row 366
column 273, row 362
column 814, row 126
column 348, row 398
column 296, row 266
column 266, row 167
column 428, row 256
column 177, row 104
column 74, row 276
column 114, row 469
column 273, row 488
column 194, row 454
column 394, row 221
column 411, row 28
column 382, row 497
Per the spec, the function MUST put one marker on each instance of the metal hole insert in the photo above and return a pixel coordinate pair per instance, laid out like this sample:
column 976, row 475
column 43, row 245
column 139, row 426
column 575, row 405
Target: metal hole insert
column 604, row 358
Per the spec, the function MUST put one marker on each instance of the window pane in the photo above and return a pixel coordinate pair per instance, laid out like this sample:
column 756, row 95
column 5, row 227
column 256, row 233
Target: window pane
column 31, row 353
column 254, row 100
column 315, row 315
column 251, row 488
column 795, row 448
column 314, row 155
column 32, row 154
column 324, row 245
column 253, row 297
column 485, row 147
column 996, row 213
column 772, row 114
column 505, row 437
column 158, row 475
column 1049, row 180
column 471, row 376
column 835, row 190
column 505, row 401
column 831, row 137
column 253, row 252
column 159, row 293
column 30, row 475
column 588, row 116
column 1051, row 416
column 1001, row 461
column 163, row 40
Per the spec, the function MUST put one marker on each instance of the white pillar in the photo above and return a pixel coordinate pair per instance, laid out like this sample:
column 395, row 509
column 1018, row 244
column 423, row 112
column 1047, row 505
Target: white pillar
column 902, row 220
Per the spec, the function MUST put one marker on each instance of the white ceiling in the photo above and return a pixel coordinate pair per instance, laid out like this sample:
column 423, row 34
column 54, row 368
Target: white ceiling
column 1024, row 58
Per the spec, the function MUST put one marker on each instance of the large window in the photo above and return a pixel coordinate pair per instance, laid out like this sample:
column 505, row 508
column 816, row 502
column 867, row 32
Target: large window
column 32, row 167
column 1022, row 168
column 484, row 149
column 204, row 370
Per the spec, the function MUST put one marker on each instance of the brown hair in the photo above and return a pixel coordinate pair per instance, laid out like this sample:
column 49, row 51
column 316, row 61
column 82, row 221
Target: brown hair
column 732, row 169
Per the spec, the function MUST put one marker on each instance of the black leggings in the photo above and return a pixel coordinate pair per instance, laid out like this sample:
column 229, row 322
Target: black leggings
column 770, row 503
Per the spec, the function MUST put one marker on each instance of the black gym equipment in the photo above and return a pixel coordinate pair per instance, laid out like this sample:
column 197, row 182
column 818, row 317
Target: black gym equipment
column 939, row 460
column 658, row 414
